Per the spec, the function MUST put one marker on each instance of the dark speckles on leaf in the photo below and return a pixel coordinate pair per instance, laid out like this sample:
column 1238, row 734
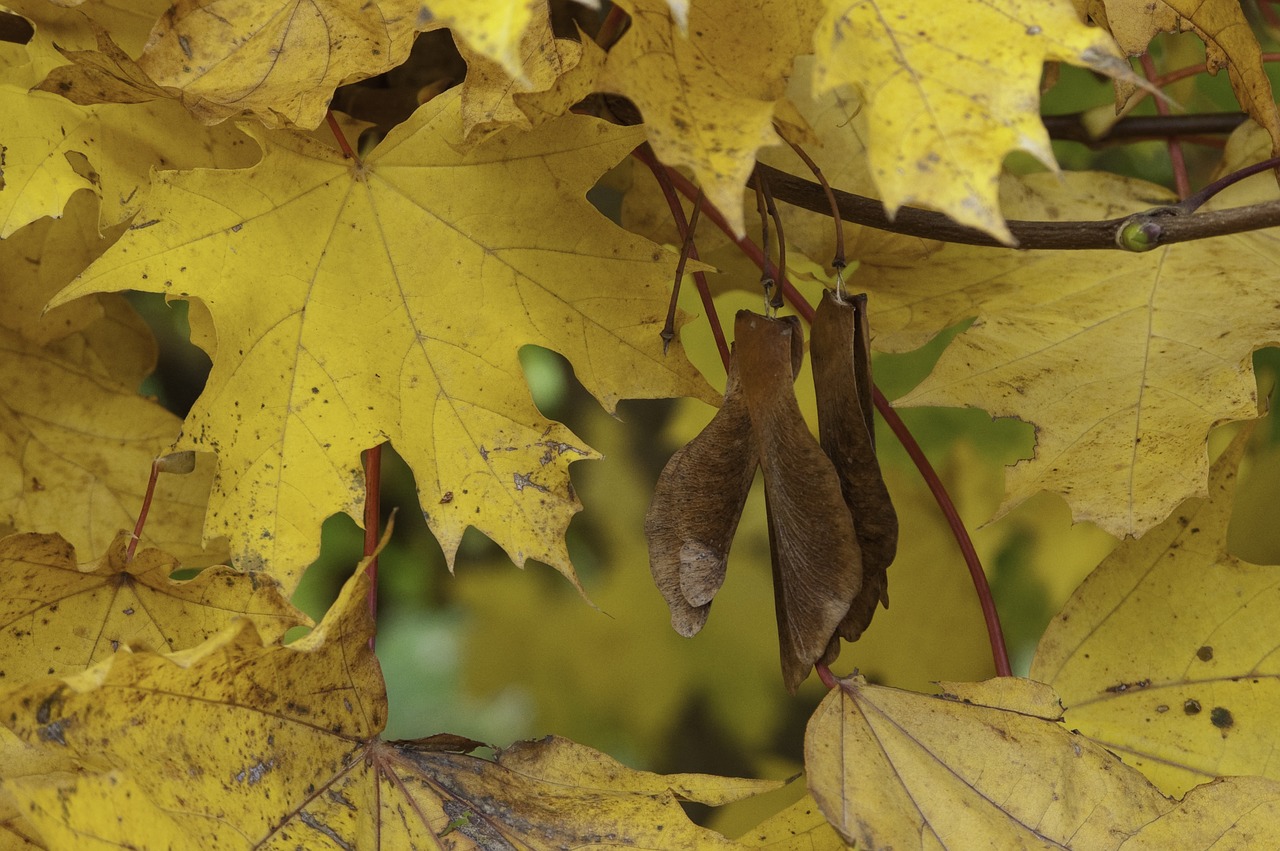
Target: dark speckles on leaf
column 54, row 732
column 1205, row 653
column 1191, row 707
column 1221, row 718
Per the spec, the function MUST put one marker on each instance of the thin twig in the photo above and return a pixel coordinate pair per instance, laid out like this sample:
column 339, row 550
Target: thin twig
column 776, row 301
column 686, row 248
column 372, row 524
column 663, row 175
column 767, row 278
column 1181, row 180
column 839, row 261
column 143, row 512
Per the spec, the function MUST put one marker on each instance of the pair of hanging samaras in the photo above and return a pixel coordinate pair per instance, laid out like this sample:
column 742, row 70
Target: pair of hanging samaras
column 832, row 529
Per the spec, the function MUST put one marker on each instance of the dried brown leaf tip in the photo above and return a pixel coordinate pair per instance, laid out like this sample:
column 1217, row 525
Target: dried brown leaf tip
column 823, row 507
column 841, row 350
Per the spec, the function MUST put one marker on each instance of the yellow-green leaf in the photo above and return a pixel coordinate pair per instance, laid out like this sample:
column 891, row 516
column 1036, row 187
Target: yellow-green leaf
column 491, row 28
column 556, row 73
column 950, row 89
column 359, row 302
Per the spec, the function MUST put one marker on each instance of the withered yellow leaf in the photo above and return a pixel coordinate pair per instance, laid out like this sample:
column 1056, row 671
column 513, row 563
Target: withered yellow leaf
column 707, row 96
column 294, row 758
column 359, row 302
column 1164, row 654
column 115, row 813
column 58, row 617
column 894, row 768
column 279, row 61
column 77, row 447
column 950, row 89
column 1110, row 354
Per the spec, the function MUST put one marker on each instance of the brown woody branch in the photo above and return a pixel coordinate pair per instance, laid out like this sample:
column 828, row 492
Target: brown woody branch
column 1163, row 226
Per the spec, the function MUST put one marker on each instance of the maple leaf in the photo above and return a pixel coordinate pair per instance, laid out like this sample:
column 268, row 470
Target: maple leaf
column 59, row 27
column 555, row 74
column 53, row 148
column 278, row 61
column 801, row 827
column 989, row 765
column 77, row 460
column 708, row 95
column 950, row 89
column 1103, row 351
column 1164, row 653
column 48, row 601
column 299, row 760
column 359, row 302
column 493, row 29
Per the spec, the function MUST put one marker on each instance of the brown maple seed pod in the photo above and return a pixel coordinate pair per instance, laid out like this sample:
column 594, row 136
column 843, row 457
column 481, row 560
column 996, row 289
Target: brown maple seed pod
column 696, row 507
column 841, row 351
column 817, row 568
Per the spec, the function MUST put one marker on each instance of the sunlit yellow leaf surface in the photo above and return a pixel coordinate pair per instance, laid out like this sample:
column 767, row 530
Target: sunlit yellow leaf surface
column 951, row 88
column 1164, row 653
column 707, row 96
column 387, row 299
column 492, row 28
column 1117, row 358
column 556, row 74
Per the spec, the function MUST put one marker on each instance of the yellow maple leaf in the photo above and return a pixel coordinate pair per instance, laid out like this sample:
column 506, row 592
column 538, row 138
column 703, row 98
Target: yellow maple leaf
column 493, row 29
column 708, row 96
column 297, row 719
column 51, row 138
column 59, row 28
column 358, row 302
column 60, row 617
column 989, row 765
column 555, row 74
column 278, row 61
column 78, row 446
column 950, row 89
column 1164, row 653
column 800, row 827
column 1104, row 352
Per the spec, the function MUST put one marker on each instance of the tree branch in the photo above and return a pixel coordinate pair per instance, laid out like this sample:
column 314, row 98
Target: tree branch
column 1162, row 226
